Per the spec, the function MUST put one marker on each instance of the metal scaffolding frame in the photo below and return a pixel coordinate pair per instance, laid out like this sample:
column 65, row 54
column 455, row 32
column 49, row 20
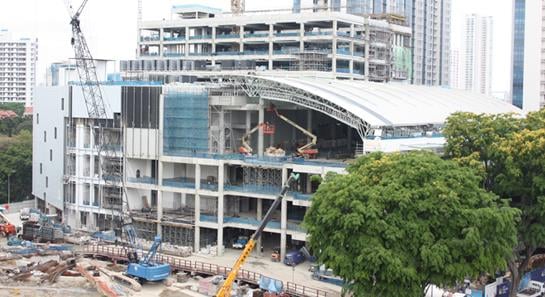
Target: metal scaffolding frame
column 271, row 90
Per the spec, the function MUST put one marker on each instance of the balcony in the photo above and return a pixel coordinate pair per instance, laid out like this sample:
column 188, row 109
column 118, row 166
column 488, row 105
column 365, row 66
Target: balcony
column 255, row 35
column 142, row 180
column 112, row 147
column 195, row 37
column 259, row 189
column 179, row 38
column 150, row 38
column 256, row 52
column 343, row 70
column 344, row 51
column 318, row 33
column 286, row 51
column 228, row 53
column 173, row 54
column 227, row 36
column 286, row 34
column 343, row 34
column 273, row 224
column 149, row 54
column 111, row 178
column 179, row 182
column 200, row 54
column 301, row 196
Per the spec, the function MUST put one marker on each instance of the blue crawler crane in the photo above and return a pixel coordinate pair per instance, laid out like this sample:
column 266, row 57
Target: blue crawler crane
column 145, row 269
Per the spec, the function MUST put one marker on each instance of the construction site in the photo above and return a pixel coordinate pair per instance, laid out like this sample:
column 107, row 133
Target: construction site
column 189, row 173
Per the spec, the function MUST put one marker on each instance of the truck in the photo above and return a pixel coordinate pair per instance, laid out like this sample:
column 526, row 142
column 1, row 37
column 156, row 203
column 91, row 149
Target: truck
column 240, row 242
column 534, row 289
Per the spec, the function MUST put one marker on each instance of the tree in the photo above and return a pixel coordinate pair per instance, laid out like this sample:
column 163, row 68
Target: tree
column 399, row 222
column 16, row 161
column 511, row 152
column 472, row 137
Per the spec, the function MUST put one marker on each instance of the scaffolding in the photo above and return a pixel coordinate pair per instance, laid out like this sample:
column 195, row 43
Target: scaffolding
column 262, row 179
column 312, row 60
column 221, row 130
column 186, row 119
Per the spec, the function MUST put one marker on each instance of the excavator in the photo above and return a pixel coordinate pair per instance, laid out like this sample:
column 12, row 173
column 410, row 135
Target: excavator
column 305, row 151
column 225, row 289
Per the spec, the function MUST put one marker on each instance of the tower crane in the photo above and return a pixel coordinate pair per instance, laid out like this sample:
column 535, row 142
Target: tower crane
column 144, row 269
column 85, row 65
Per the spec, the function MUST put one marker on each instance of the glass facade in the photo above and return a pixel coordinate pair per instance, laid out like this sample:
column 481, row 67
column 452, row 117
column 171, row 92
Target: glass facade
column 518, row 53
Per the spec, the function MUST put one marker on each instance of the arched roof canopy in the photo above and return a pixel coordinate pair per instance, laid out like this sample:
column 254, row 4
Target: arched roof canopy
column 366, row 105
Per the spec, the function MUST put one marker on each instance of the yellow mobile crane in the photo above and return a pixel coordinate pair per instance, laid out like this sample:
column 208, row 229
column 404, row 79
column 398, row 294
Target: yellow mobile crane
column 225, row 290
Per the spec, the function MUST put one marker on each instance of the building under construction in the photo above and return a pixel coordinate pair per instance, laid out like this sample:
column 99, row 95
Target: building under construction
column 342, row 45
column 196, row 147
column 201, row 161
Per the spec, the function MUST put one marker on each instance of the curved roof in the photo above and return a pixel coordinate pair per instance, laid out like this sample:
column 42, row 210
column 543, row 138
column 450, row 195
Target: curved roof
column 395, row 104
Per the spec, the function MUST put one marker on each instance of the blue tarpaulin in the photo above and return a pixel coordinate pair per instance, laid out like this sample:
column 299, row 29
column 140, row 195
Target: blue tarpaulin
column 271, row 285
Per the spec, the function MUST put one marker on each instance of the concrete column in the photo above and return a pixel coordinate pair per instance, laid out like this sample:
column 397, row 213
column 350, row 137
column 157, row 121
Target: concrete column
column 283, row 218
column 186, row 42
column 259, row 217
column 260, row 131
column 213, row 45
column 184, row 199
column 221, row 172
column 159, row 176
column 161, row 47
column 197, row 243
column 248, row 121
column 241, row 42
column 366, row 54
column 302, row 37
column 334, row 49
column 221, row 146
column 309, row 122
column 349, row 137
column 271, row 46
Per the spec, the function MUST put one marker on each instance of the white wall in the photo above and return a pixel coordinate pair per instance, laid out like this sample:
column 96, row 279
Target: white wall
column 48, row 111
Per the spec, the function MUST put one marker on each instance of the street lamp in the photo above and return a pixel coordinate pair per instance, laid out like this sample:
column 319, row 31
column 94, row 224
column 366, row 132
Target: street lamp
column 9, row 174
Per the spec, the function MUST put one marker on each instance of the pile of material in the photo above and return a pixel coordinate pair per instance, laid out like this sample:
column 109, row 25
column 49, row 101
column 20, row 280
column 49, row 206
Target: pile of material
column 274, row 152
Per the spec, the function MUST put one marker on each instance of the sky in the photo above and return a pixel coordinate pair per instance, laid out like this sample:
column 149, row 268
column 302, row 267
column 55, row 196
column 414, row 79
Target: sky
column 110, row 26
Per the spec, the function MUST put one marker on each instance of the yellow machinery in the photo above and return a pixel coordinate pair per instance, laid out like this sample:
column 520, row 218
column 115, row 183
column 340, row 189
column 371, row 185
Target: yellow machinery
column 225, row 290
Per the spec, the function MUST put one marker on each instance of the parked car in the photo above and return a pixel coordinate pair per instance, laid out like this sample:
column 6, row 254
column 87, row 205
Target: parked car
column 241, row 242
column 534, row 289
column 294, row 258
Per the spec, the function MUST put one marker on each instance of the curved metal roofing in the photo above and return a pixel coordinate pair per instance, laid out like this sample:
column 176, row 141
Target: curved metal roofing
column 395, row 104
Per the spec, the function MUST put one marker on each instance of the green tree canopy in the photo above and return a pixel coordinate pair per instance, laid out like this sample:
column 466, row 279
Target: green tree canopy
column 16, row 161
column 396, row 223
column 511, row 152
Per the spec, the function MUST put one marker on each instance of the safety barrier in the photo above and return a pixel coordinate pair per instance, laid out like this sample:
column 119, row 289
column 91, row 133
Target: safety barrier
column 204, row 268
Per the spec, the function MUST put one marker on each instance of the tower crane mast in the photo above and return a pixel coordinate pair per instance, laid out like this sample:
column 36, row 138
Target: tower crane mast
column 94, row 102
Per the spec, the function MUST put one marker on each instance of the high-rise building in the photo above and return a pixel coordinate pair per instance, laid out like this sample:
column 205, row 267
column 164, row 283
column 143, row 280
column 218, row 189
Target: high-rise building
column 17, row 68
column 528, row 63
column 455, row 70
column 476, row 59
column 430, row 24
